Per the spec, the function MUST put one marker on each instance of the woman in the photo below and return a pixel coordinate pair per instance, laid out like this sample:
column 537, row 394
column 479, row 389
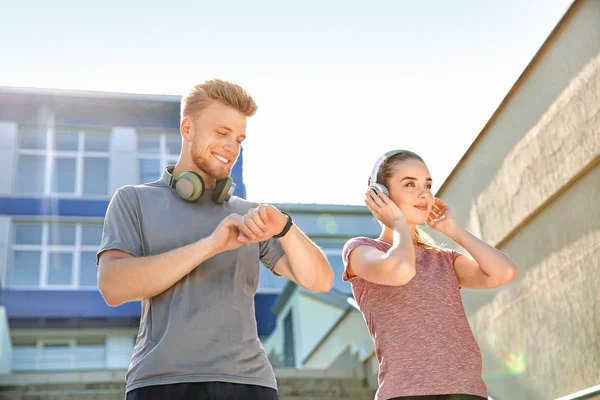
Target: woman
column 408, row 289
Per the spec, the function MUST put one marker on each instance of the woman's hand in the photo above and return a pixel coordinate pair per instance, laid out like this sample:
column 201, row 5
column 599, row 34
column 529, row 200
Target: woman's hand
column 441, row 218
column 383, row 208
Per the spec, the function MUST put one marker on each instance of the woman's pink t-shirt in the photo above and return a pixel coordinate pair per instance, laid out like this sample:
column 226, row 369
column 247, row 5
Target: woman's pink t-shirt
column 422, row 337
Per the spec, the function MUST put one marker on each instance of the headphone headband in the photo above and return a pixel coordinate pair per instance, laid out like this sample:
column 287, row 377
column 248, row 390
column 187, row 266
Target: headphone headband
column 379, row 163
column 167, row 176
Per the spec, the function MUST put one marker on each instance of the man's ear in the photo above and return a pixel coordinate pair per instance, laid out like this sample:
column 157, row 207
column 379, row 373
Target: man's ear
column 185, row 128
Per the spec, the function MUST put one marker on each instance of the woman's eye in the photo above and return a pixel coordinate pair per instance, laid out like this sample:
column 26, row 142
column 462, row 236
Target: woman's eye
column 411, row 184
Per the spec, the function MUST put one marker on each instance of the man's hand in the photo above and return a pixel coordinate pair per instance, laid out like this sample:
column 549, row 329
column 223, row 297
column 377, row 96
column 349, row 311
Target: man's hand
column 261, row 223
column 227, row 235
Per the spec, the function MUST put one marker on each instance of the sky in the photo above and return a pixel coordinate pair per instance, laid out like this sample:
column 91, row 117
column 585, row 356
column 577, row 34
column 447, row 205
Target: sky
column 337, row 83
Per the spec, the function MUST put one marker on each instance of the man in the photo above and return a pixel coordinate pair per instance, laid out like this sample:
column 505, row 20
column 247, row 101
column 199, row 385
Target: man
column 190, row 252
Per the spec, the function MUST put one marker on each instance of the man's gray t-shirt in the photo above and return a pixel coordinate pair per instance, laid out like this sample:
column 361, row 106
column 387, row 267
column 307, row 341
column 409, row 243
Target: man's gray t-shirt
column 203, row 328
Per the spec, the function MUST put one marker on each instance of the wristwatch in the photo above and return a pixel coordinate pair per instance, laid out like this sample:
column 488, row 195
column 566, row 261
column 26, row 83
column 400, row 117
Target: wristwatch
column 287, row 226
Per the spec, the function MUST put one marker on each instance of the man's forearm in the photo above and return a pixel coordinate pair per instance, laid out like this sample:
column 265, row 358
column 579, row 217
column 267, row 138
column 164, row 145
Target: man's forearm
column 135, row 278
column 308, row 264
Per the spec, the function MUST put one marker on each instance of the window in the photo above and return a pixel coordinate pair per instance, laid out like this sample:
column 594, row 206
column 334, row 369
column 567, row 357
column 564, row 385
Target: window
column 156, row 151
column 59, row 354
column 61, row 161
column 55, row 255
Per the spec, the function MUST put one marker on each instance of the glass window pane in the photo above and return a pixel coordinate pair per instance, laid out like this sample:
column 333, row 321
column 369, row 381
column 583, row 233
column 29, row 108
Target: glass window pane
column 54, row 364
column 60, row 268
column 89, row 357
column 63, row 175
column 33, row 140
column 149, row 170
column 95, row 175
column 24, row 357
column 66, row 141
column 97, row 142
column 56, row 356
column 148, row 144
column 56, row 350
column 88, row 272
column 62, row 234
column 26, row 269
column 173, row 144
column 91, row 234
column 31, row 175
column 28, row 234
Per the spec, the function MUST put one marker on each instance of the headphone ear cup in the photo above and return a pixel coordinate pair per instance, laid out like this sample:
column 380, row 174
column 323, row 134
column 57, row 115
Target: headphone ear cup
column 378, row 187
column 189, row 186
column 223, row 190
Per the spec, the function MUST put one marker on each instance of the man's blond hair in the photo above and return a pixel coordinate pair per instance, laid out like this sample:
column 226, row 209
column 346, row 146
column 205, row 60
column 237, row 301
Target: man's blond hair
column 226, row 92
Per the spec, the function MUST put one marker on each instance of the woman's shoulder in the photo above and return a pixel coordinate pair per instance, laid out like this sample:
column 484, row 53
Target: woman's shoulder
column 363, row 241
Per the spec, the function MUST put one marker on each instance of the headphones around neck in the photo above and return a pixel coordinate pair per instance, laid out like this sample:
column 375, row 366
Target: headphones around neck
column 190, row 186
column 373, row 184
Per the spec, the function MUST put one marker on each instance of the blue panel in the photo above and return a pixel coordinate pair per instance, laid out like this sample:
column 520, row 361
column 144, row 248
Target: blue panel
column 238, row 176
column 265, row 319
column 62, row 304
column 52, row 206
column 46, row 304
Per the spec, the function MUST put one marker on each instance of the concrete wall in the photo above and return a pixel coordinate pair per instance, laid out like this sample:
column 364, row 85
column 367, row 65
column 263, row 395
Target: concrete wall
column 8, row 143
column 550, row 318
column 530, row 185
column 5, row 345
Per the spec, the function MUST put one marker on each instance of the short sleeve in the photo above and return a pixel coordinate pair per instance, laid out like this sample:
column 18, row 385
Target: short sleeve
column 121, row 229
column 452, row 255
column 270, row 252
column 348, row 247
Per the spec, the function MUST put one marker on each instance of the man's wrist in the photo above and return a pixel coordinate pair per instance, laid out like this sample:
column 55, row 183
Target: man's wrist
column 208, row 245
column 286, row 227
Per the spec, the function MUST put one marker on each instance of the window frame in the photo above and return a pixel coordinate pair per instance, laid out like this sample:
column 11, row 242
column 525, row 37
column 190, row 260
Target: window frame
column 51, row 154
column 69, row 360
column 45, row 249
